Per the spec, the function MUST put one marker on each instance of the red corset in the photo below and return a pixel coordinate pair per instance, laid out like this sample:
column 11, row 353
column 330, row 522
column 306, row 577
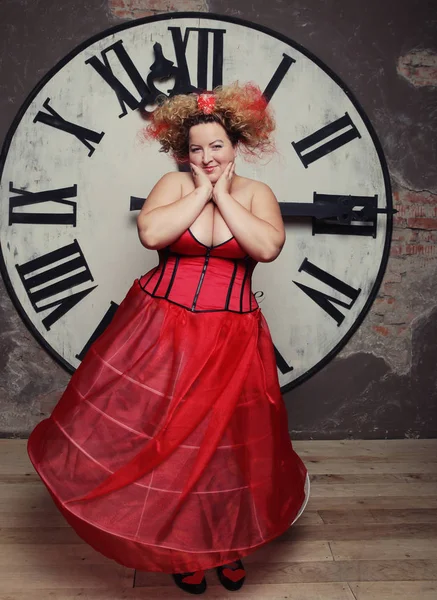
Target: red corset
column 203, row 278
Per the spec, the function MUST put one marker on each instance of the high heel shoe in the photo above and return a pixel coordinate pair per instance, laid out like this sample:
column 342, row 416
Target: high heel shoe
column 232, row 575
column 193, row 582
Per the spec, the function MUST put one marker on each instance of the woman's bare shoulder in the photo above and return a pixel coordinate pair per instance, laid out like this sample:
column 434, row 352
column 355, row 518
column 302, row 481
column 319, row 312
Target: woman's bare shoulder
column 176, row 176
column 180, row 178
column 176, row 180
column 166, row 190
column 254, row 186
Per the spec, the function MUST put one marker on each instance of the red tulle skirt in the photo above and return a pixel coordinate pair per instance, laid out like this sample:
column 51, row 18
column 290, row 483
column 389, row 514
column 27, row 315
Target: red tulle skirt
column 169, row 450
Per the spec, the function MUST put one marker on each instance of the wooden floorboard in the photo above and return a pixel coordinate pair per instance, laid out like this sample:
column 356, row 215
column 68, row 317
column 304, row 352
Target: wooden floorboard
column 369, row 533
column 398, row 590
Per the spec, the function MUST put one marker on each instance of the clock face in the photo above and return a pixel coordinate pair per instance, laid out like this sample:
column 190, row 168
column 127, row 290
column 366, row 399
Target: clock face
column 75, row 172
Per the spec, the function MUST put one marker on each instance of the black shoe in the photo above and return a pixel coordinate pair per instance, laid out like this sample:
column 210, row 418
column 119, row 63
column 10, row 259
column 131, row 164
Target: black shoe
column 232, row 575
column 197, row 587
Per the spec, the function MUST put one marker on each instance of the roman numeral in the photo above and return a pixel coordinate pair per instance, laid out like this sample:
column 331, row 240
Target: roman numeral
column 183, row 83
column 46, row 277
column 124, row 96
column 162, row 68
column 27, row 198
column 311, row 149
column 321, row 298
column 107, row 318
column 54, row 119
column 278, row 76
column 281, row 363
column 355, row 215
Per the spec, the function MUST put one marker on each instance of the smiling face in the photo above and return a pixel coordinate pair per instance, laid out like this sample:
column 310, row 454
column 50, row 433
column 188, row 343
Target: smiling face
column 210, row 149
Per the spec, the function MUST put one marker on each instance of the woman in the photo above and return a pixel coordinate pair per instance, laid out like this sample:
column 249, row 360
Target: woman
column 169, row 450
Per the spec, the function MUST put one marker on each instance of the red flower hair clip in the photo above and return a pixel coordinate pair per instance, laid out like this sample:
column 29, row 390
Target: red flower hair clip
column 206, row 103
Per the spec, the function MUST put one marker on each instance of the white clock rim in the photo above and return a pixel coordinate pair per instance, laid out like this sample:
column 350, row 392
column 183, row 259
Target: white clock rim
column 201, row 16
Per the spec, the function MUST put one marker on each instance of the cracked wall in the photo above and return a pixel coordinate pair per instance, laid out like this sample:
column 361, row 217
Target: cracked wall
column 383, row 383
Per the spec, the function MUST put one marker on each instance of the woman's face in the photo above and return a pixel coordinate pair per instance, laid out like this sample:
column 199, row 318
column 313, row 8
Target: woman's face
column 210, row 149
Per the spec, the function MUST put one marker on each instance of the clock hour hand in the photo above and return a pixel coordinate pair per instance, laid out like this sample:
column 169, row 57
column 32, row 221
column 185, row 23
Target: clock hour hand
column 339, row 214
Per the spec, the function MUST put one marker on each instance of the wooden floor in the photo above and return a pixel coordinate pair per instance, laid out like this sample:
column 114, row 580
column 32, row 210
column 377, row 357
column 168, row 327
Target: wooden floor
column 369, row 533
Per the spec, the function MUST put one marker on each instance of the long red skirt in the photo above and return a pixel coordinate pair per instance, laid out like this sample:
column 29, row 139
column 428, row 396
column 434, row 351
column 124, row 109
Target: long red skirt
column 169, row 450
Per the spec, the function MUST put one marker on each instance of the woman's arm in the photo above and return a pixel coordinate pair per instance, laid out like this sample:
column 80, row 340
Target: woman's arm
column 166, row 215
column 261, row 232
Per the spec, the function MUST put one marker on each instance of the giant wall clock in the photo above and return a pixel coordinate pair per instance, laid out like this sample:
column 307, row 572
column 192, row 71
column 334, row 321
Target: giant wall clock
column 75, row 172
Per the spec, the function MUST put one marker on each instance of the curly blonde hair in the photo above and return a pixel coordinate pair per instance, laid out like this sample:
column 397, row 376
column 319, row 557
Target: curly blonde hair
column 242, row 110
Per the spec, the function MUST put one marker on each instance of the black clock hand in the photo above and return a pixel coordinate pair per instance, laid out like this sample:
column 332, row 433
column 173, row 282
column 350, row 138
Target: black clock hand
column 351, row 215
column 344, row 208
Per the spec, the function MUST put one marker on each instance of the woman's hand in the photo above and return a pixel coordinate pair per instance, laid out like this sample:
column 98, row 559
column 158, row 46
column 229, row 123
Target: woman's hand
column 201, row 180
column 223, row 183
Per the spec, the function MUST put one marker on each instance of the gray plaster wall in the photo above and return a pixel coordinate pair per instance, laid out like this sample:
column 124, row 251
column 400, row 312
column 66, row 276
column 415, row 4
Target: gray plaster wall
column 384, row 383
